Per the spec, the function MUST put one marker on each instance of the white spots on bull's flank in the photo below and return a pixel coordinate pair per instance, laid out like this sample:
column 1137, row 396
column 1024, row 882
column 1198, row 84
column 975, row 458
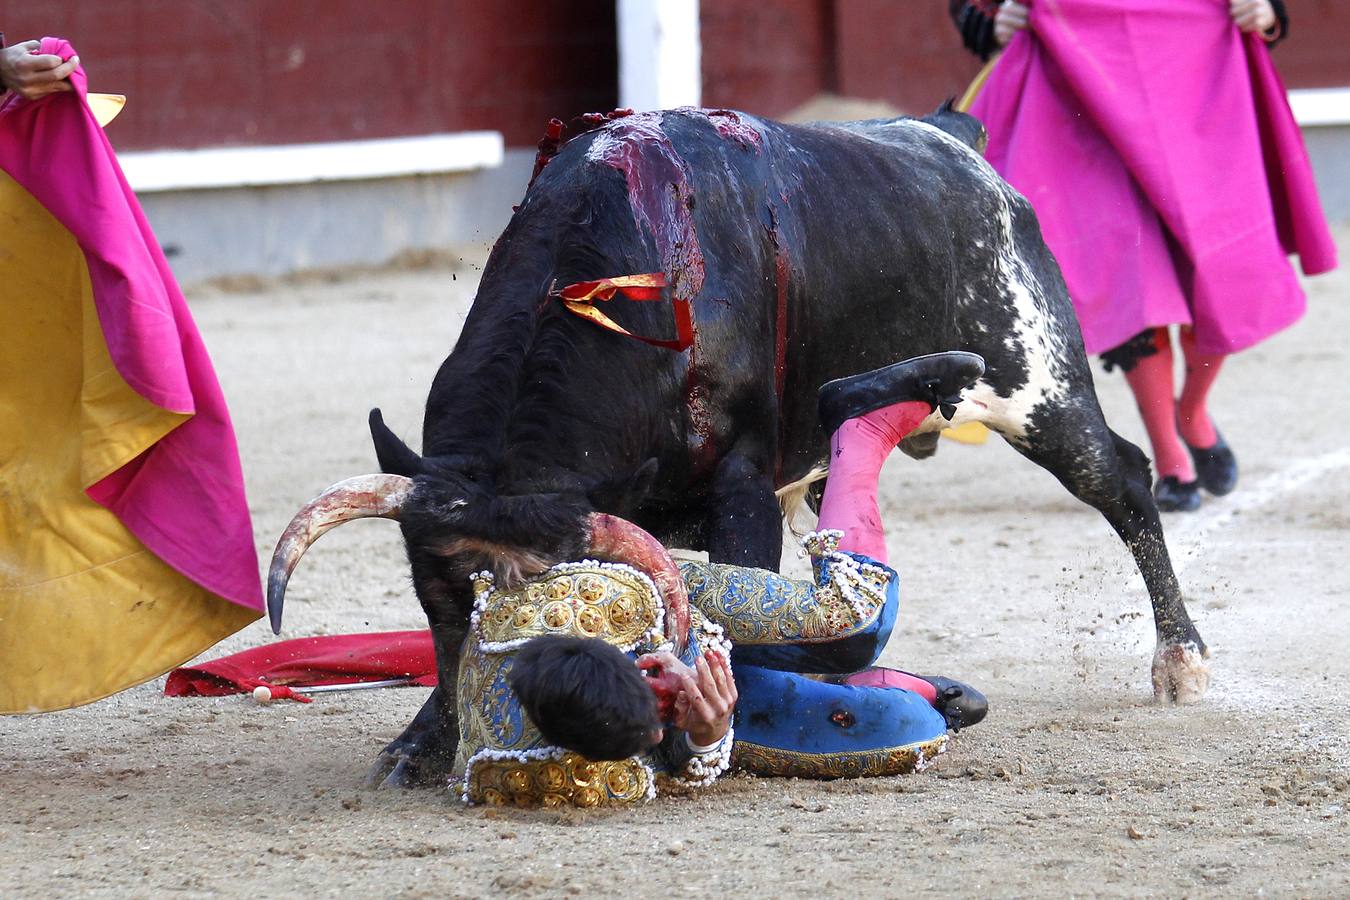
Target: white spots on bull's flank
column 1033, row 337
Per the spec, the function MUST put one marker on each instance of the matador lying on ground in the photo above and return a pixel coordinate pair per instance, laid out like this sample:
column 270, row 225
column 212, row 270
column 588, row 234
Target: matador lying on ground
column 571, row 692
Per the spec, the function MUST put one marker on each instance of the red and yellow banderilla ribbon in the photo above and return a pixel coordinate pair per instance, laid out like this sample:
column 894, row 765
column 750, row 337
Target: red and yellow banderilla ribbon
column 580, row 299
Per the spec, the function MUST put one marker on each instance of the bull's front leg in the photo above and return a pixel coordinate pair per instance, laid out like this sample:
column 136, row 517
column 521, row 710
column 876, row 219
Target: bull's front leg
column 424, row 754
column 745, row 524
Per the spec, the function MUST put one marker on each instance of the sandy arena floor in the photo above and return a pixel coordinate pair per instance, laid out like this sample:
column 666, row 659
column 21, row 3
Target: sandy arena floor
column 1075, row 784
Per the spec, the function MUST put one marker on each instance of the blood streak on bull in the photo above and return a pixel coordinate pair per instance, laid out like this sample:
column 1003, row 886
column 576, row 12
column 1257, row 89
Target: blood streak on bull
column 662, row 200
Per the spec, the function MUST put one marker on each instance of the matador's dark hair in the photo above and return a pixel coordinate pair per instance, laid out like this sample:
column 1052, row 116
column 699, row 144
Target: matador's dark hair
column 586, row 696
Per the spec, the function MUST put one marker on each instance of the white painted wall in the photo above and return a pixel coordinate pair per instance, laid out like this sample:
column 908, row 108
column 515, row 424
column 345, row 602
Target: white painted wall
column 232, row 167
column 659, row 54
column 1321, row 106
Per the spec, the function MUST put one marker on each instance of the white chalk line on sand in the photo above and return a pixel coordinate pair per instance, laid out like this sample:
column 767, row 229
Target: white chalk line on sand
column 1190, row 533
column 1186, row 539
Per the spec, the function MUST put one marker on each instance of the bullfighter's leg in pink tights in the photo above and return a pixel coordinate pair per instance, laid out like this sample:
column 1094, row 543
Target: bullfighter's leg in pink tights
column 858, row 449
column 1216, row 467
column 867, row 416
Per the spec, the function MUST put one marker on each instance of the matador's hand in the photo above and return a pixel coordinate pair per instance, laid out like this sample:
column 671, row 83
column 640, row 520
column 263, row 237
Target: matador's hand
column 704, row 705
column 31, row 74
column 1010, row 19
column 1253, row 15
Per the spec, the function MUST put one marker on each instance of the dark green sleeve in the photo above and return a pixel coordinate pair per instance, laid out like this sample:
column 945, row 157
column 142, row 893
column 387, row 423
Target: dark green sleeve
column 1281, row 28
column 975, row 21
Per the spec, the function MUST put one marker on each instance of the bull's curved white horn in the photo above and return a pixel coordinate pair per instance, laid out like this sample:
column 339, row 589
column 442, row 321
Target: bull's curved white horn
column 362, row 497
column 619, row 540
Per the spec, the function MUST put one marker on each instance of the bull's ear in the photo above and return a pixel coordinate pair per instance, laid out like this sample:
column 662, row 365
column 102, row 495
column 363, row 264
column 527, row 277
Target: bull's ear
column 396, row 457
column 623, row 495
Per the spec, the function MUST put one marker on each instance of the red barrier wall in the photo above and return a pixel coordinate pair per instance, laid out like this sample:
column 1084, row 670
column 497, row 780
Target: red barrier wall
column 203, row 72
column 766, row 58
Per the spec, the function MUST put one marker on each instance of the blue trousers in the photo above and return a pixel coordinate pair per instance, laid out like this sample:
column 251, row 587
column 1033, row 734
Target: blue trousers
column 783, row 629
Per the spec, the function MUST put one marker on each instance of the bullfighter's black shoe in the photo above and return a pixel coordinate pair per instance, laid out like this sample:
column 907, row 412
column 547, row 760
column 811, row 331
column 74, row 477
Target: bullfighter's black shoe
column 1216, row 467
column 1173, row 495
column 936, row 379
column 960, row 704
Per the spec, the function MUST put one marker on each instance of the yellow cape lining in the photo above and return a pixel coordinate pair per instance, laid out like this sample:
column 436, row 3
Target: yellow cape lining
column 85, row 609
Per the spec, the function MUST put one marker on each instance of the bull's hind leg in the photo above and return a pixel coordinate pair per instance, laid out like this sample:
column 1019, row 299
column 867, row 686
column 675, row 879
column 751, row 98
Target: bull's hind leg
column 1109, row 473
column 745, row 523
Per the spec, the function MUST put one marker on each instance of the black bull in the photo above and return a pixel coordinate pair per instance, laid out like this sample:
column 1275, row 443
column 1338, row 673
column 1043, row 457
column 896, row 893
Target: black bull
column 807, row 253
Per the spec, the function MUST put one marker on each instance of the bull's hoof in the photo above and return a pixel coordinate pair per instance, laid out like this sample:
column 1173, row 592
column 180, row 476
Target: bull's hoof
column 1180, row 673
column 422, row 756
column 407, row 764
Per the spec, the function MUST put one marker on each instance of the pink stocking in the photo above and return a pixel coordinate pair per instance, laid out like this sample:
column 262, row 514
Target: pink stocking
column 857, row 450
column 1201, row 372
column 1151, row 381
column 877, row 676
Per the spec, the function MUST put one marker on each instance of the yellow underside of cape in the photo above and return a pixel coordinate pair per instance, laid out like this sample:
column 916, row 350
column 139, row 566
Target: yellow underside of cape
column 85, row 609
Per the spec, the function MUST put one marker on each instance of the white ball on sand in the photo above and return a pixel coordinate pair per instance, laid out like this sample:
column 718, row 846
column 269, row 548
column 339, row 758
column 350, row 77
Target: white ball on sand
column 262, row 694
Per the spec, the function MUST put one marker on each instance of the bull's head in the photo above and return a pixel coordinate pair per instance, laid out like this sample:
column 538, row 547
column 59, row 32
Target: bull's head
column 453, row 516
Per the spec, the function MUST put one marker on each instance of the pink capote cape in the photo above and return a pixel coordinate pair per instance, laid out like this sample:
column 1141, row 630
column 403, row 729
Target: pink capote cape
column 184, row 497
column 1156, row 144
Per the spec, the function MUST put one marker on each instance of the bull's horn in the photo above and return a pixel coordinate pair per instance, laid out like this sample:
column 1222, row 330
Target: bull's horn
column 619, row 540
column 356, row 498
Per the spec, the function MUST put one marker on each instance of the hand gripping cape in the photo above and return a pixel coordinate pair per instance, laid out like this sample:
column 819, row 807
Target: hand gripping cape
column 125, row 541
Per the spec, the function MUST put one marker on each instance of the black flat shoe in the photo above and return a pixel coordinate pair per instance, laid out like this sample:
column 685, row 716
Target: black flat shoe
column 1216, row 467
column 960, row 704
column 936, row 379
column 1173, row 495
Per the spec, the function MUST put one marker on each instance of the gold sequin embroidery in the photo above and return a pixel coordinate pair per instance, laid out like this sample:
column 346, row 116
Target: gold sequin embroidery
column 567, row 780
column 760, row 760
column 610, row 602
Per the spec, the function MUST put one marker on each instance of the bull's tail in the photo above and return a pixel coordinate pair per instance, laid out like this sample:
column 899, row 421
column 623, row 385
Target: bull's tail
column 792, row 497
